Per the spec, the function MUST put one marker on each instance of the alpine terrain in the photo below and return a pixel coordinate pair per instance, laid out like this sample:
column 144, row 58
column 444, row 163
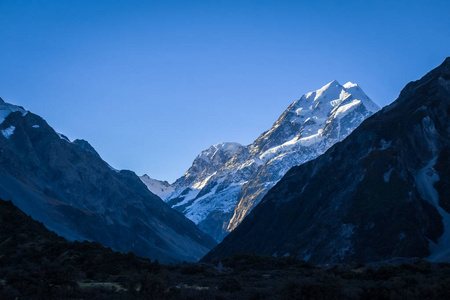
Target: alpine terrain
column 161, row 188
column 227, row 180
column 383, row 192
column 68, row 187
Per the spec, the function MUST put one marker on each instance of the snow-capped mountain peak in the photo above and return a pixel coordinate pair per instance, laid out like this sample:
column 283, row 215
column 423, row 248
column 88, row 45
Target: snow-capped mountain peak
column 305, row 120
column 227, row 180
column 331, row 89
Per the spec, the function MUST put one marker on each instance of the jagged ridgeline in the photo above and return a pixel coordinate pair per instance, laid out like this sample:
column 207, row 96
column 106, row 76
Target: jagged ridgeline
column 227, row 180
column 383, row 192
column 67, row 186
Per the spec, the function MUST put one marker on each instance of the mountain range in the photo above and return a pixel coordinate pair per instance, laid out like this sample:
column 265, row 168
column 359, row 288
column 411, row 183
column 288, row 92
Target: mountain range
column 226, row 181
column 335, row 180
column 68, row 187
column 382, row 192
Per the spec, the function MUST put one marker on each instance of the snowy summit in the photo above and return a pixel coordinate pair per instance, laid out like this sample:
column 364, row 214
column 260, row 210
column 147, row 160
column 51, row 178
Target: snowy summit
column 227, row 180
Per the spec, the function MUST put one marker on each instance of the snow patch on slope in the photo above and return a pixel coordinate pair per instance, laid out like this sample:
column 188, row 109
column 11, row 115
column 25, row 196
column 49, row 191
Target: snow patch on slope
column 8, row 131
column 425, row 180
column 343, row 110
column 385, row 144
column 63, row 137
column 163, row 189
column 6, row 109
column 387, row 176
column 211, row 153
column 189, row 196
column 201, row 184
column 202, row 207
column 358, row 93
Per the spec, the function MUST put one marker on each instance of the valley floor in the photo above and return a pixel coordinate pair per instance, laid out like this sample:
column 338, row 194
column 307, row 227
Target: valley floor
column 239, row 277
column 37, row 264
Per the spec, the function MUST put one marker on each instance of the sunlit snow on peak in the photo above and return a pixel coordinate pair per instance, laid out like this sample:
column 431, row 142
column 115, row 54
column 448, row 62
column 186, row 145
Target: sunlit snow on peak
column 350, row 85
column 230, row 148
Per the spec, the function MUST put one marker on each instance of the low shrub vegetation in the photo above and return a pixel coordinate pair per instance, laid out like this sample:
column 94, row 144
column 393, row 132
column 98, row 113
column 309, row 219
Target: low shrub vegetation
column 37, row 264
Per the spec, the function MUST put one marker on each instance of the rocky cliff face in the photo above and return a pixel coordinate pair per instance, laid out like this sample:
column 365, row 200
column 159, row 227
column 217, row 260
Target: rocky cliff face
column 68, row 187
column 383, row 192
column 226, row 181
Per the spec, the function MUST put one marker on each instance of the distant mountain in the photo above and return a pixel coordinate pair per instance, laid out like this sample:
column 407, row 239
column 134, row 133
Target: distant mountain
column 68, row 187
column 226, row 181
column 383, row 192
column 162, row 189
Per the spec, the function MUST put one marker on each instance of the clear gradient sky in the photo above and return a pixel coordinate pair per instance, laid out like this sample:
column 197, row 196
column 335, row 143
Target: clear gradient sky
column 150, row 84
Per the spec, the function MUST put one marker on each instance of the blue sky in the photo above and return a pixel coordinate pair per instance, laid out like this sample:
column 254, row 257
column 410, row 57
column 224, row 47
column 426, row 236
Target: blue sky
column 152, row 83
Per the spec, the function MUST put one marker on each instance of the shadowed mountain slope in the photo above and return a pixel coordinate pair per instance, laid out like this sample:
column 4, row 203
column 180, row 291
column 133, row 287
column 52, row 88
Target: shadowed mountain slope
column 68, row 187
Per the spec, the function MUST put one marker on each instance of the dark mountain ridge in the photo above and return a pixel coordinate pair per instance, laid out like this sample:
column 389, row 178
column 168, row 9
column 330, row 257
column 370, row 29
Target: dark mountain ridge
column 68, row 187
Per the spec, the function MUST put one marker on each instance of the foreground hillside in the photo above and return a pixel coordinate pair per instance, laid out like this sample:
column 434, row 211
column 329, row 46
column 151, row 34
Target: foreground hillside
column 37, row 264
